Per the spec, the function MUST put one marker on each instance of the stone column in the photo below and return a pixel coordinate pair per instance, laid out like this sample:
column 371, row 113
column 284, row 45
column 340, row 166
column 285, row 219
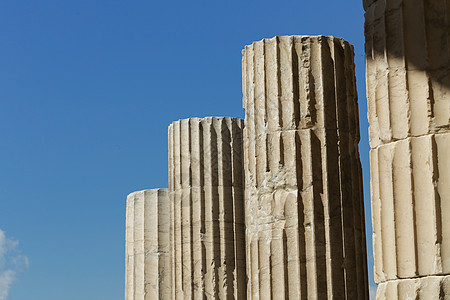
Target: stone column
column 147, row 274
column 207, row 209
column 305, row 233
column 408, row 92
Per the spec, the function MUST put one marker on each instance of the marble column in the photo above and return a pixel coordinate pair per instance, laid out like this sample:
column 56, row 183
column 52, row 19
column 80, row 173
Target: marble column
column 147, row 274
column 207, row 208
column 305, row 236
column 408, row 92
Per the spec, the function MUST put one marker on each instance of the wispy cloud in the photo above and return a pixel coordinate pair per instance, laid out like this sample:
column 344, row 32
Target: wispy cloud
column 11, row 263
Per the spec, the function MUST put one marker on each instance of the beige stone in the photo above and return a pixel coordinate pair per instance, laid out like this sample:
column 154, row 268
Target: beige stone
column 207, row 209
column 303, row 192
column 424, row 288
column 407, row 68
column 147, row 245
column 408, row 92
column 411, row 205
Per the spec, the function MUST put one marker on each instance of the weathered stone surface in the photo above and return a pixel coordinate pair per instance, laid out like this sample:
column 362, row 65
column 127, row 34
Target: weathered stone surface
column 410, row 207
column 407, row 68
column 304, row 205
column 429, row 288
column 147, row 246
column 207, row 209
column 408, row 91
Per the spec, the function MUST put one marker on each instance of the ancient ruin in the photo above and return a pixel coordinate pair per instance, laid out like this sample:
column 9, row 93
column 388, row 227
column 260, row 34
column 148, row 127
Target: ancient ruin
column 408, row 92
column 272, row 207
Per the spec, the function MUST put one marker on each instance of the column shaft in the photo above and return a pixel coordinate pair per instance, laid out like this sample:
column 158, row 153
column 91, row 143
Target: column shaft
column 147, row 245
column 207, row 208
column 303, row 198
column 408, row 92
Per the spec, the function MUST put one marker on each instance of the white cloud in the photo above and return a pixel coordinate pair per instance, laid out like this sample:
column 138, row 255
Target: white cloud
column 11, row 263
column 6, row 279
column 372, row 292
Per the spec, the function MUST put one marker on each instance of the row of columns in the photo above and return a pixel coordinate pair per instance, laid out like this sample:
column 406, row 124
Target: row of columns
column 269, row 207
column 302, row 232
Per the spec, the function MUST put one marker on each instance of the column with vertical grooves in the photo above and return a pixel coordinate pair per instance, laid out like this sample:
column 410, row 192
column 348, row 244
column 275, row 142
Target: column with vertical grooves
column 147, row 245
column 207, row 208
column 410, row 203
column 408, row 92
column 407, row 68
column 305, row 235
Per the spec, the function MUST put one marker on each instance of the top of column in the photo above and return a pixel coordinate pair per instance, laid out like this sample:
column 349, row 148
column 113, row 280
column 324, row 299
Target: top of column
column 300, row 82
column 205, row 152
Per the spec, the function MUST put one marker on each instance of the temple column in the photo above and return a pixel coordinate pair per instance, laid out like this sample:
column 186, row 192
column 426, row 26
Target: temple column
column 207, row 209
column 305, row 236
column 408, row 92
column 147, row 274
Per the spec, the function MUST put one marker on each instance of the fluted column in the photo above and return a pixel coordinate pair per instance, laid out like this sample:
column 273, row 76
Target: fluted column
column 147, row 245
column 207, row 209
column 408, row 92
column 305, row 234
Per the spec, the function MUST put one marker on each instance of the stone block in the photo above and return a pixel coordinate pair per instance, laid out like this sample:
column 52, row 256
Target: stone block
column 407, row 69
column 426, row 288
column 410, row 207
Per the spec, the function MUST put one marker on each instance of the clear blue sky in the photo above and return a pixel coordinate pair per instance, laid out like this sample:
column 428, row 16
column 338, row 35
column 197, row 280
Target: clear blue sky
column 87, row 90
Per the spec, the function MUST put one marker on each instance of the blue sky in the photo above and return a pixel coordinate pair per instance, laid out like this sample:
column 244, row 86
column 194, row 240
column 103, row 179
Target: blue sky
column 87, row 90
